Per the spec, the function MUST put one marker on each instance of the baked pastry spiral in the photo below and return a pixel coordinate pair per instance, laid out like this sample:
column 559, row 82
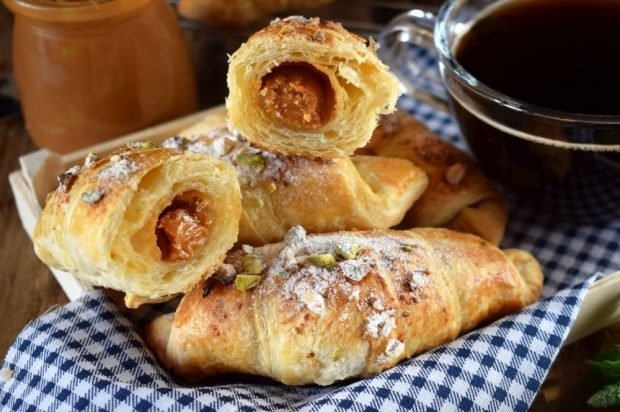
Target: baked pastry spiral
column 151, row 222
column 279, row 192
column 459, row 196
column 324, row 308
column 309, row 88
column 238, row 13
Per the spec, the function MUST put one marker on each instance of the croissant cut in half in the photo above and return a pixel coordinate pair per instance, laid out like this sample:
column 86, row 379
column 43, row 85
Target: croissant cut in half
column 279, row 192
column 309, row 88
column 148, row 221
column 324, row 308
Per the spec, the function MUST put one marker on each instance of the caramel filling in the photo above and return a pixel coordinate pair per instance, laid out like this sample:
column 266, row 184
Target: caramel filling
column 297, row 95
column 182, row 228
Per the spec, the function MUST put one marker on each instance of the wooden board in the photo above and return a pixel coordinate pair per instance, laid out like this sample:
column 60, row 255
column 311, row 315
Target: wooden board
column 38, row 172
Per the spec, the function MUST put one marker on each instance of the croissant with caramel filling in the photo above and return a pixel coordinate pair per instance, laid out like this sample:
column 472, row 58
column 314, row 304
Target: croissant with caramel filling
column 459, row 196
column 309, row 88
column 279, row 192
column 148, row 221
column 324, row 308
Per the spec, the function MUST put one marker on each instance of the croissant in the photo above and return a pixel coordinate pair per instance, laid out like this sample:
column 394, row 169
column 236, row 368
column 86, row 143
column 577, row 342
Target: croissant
column 324, row 308
column 148, row 221
column 459, row 196
column 309, row 88
column 279, row 192
column 238, row 13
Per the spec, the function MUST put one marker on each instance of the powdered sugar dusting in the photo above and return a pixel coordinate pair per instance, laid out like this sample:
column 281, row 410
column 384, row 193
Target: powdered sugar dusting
column 118, row 169
column 314, row 302
column 381, row 324
column 227, row 146
column 312, row 272
column 394, row 348
column 417, row 279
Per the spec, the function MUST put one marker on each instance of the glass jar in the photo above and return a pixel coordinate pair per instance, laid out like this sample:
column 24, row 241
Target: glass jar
column 90, row 70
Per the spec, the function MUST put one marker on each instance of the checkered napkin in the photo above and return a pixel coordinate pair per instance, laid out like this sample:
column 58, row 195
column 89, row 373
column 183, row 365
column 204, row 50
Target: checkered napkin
column 89, row 355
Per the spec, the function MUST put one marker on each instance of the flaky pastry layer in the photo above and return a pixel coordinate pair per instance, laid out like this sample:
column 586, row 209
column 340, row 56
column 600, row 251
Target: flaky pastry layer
column 309, row 88
column 151, row 222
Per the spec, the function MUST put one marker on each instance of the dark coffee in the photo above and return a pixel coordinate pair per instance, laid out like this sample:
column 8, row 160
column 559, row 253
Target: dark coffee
column 554, row 54
column 558, row 54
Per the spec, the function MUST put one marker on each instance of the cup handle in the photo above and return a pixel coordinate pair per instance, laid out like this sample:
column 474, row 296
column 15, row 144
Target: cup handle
column 413, row 28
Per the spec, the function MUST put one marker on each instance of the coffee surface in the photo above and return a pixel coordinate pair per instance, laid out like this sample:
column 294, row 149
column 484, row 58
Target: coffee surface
column 558, row 54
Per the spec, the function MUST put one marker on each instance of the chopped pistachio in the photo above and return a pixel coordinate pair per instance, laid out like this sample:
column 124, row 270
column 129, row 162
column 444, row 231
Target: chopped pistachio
column 252, row 264
column 347, row 250
column 406, row 248
column 66, row 179
column 149, row 144
column 90, row 159
column 142, row 145
column 244, row 281
column 91, row 197
column 250, row 159
column 326, row 260
column 176, row 142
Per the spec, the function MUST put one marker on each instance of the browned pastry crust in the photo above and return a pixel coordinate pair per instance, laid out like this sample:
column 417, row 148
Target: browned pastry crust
column 238, row 13
column 458, row 196
column 335, row 306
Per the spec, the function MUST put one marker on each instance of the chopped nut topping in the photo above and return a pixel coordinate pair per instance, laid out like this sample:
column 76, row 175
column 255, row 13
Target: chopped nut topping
column 90, row 159
column 326, row 260
column 347, row 250
column 66, row 179
column 225, row 273
column 314, row 302
column 250, row 159
column 142, row 145
column 455, row 173
column 394, row 348
column 245, row 282
column 176, row 142
column 92, row 197
column 252, row 264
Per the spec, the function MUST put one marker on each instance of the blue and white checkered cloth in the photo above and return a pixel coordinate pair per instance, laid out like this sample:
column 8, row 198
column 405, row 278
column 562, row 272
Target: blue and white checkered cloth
column 88, row 355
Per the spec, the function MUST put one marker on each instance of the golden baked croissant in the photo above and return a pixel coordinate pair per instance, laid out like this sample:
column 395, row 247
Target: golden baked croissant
column 324, row 308
column 279, row 192
column 309, row 88
column 459, row 195
column 148, row 221
column 237, row 13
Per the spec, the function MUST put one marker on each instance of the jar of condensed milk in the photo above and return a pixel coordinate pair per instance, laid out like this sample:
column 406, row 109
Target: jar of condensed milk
column 91, row 70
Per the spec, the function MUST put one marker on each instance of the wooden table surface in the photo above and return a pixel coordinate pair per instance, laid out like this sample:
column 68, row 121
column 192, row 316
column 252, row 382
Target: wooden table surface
column 27, row 288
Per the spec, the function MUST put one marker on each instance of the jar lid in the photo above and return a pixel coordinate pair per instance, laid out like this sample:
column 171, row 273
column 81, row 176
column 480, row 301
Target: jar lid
column 72, row 10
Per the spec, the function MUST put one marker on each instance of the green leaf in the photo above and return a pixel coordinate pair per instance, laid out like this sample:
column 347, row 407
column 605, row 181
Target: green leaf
column 612, row 354
column 607, row 363
column 608, row 368
column 606, row 397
